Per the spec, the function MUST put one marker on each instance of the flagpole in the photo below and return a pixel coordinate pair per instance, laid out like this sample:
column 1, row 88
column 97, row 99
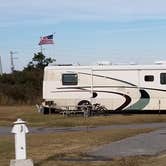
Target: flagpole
column 41, row 49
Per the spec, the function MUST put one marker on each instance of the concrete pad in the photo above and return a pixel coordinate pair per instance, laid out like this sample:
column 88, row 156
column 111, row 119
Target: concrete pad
column 27, row 162
column 151, row 143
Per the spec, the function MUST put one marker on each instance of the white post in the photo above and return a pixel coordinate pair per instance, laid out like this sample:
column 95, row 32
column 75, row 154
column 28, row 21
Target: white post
column 20, row 129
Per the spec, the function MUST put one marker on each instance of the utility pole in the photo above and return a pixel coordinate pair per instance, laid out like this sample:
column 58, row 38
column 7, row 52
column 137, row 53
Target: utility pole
column 12, row 60
column 1, row 72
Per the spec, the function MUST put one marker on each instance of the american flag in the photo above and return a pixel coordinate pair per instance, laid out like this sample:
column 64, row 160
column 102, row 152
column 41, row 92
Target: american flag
column 46, row 40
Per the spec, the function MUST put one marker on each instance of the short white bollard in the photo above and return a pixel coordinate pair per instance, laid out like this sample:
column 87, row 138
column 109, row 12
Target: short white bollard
column 20, row 129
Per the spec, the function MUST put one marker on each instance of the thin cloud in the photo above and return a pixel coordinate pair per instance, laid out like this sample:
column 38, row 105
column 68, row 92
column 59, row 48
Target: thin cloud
column 107, row 10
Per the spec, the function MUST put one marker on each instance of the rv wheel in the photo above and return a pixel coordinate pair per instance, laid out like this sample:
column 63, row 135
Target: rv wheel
column 84, row 106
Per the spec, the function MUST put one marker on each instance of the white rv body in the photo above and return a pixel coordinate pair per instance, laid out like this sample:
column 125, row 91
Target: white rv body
column 116, row 87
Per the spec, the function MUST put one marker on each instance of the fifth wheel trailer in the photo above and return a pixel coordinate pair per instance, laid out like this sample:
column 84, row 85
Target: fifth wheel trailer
column 124, row 88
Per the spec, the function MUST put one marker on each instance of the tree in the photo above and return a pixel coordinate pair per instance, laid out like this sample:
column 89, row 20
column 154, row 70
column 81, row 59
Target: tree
column 39, row 61
column 24, row 87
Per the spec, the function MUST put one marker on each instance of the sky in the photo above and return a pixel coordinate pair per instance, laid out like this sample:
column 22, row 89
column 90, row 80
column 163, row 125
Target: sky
column 86, row 31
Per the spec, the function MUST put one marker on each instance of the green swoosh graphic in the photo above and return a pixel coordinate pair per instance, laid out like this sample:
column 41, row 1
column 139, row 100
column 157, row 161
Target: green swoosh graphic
column 142, row 102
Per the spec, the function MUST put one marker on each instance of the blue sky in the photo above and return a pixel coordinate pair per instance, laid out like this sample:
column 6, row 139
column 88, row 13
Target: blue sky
column 87, row 31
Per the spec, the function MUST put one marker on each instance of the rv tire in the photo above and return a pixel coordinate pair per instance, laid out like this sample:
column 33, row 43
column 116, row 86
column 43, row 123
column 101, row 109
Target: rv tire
column 85, row 106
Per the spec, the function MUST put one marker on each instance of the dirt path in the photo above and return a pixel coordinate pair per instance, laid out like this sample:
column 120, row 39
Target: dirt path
column 46, row 130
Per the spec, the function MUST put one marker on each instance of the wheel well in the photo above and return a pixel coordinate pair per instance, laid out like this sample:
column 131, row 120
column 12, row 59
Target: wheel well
column 84, row 102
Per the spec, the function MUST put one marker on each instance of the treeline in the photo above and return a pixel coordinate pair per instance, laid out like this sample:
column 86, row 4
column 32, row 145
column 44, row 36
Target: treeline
column 21, row 87
column 24, row 87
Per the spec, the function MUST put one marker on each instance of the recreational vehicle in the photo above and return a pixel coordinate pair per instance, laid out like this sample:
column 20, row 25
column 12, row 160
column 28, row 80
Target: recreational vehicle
column 125, row 88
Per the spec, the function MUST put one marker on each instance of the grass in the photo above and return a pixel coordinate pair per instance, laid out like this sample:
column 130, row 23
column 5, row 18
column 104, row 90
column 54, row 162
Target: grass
column 66, row 148
column 6, row 150
column 69, row 149
column 9, row 114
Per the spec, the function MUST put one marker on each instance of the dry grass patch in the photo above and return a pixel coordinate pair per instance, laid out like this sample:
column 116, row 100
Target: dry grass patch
column 155, row 161
column 6, row 150
column 8, row 114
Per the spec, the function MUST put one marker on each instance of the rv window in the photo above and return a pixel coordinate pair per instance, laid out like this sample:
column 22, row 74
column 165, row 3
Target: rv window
column 163, row 78
column 69, row 79
column 149, row 78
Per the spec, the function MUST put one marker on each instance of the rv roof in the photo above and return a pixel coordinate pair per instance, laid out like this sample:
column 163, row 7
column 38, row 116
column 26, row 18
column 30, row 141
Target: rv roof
column 111, row 67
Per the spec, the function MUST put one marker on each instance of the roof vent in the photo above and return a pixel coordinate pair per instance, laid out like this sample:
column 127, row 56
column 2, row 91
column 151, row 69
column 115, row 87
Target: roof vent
column 103, row 63
column 160, row 62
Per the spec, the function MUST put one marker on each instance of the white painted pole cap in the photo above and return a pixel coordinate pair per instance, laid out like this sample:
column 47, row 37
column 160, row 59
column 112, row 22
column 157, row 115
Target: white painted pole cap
column 19, row 127
column 20, row 121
